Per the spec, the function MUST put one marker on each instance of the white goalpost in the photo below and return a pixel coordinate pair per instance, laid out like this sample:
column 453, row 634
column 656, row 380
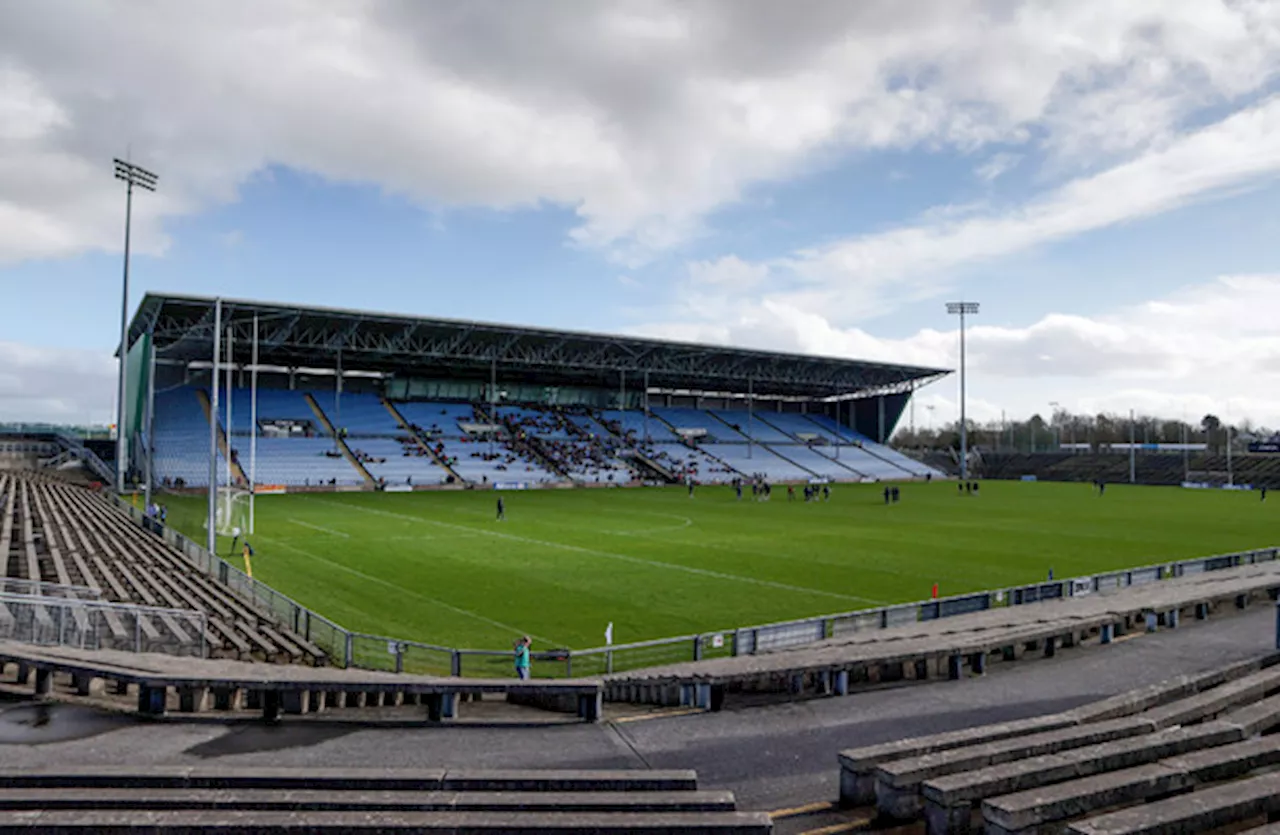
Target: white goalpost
column 232, row 518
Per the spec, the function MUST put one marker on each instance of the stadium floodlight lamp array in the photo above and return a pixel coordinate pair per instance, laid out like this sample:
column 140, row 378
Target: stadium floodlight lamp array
column 963, row 309
column 132, row 175
column 135, row 175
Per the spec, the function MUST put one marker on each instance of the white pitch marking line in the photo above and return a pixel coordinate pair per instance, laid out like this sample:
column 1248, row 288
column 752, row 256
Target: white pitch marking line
column 685, row 522
column 329, row 531
column 609, row 555
column 410, row 592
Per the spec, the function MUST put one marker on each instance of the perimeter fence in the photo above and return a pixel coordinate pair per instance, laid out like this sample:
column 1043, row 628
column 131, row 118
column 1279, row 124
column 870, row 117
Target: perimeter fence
column 381, row 652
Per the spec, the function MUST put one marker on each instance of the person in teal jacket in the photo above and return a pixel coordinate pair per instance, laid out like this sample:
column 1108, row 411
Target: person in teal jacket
column 522, row 657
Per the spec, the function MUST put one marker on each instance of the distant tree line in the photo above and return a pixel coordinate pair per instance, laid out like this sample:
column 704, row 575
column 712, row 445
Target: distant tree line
column 1098, row 431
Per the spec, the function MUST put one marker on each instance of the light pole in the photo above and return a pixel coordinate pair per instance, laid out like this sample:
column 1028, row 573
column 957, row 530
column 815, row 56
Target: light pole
column 963, row 309
column 1054, row 408
column 133, row 175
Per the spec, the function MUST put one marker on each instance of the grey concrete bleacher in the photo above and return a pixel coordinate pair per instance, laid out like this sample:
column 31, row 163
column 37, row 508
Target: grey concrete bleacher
column 191, row 685
column 898, row 783
column 949, row 647
column 249, row 799
column 1184, row 735
column 1029, row 810
column 858, row 766
column 949, row 800
column 76, row 536
column 1200, row 811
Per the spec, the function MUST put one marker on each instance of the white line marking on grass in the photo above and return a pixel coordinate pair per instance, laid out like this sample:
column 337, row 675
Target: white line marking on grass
column 318, row 528
column 686, row 522
column 410, row 592
column 622, row 557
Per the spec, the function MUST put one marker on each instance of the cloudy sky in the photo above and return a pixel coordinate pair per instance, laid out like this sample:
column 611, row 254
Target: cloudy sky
column 809, row 175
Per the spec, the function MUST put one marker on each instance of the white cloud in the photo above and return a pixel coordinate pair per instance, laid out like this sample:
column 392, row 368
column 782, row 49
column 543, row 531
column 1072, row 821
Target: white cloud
column 641, row 117
column 729, row 272
column 996, row 166
column 1211, row 347
column 858, row 277
column 55, row 385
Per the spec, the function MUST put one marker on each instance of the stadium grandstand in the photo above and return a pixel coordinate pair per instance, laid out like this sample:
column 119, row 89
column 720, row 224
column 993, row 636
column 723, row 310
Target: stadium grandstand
column 356, row 400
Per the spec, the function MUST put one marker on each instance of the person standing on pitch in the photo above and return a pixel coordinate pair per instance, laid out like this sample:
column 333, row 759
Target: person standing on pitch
column 502, row 510
column 522, row 658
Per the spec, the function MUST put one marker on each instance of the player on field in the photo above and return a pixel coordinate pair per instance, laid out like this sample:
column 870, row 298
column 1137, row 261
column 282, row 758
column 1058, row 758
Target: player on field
column 502, row 510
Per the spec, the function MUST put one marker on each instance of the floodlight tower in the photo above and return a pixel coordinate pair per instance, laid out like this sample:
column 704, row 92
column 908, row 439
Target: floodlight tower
column 133, row 175
column 963, row 309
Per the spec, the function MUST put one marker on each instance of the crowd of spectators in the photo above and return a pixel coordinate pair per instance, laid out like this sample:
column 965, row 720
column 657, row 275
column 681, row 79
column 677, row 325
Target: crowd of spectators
column 587, row 456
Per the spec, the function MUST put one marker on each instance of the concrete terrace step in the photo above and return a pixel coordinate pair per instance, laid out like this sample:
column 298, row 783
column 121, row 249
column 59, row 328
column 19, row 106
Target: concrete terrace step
column 898, row 783
column 950, row 799
column 282, row 688
column 348, row 779
column 949, row 644
column 126, row 822
column 328, row 800
column 858, row 765
column 1144, row 698
column 1198, row 811
column 1212, row 702
column 1029, row 810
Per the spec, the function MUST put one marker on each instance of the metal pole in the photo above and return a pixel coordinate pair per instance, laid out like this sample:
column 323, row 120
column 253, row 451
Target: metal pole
column 963, row 309
column 493, row 399
column 230, row 390
column 211, row 540
column 750, row 416
column 151, row 417
column 622, row 390
column 1133, row 450
column 880, row 415
column 133, row 175
column 253, row 425
column 1186, row 454
column 646, row 406
column 122, row 447
column 964, row 424
column 1231, row 475
column 337, row 402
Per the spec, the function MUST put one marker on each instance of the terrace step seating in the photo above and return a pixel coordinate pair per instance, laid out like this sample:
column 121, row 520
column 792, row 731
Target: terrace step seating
column 73, row 537
column 582, row 449
column 858, row 650
column 1166, row 468
column 757, row 459
column 1205, row 734
column 181, row 439
column 158, row 684
column 396, row 460
column 306, row 459
column 476, row 459
column 251, row 799
column 878, row 460
column 538, row 444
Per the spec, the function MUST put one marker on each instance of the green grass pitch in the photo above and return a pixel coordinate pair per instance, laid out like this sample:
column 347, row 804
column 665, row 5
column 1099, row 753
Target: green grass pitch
column 437, row 567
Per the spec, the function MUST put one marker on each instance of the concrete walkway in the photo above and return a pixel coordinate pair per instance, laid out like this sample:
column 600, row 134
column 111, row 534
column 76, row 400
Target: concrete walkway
column 771, row 757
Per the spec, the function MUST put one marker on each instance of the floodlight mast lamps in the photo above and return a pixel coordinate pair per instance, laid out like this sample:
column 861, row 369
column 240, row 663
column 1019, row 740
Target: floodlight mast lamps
column 133, row 175
column 963, row 309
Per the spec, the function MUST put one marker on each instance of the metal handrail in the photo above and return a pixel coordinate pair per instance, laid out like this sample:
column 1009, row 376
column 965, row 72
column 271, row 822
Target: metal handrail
column 733, row 636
